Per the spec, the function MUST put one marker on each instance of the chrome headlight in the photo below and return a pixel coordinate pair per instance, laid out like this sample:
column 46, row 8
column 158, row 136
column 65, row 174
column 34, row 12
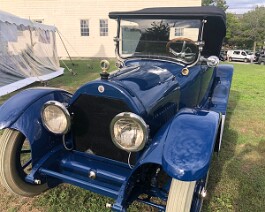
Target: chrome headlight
column 129, row 132
column 55, row 117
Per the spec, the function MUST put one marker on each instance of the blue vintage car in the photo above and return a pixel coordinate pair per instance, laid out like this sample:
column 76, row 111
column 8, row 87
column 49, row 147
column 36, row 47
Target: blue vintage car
column 147, row 130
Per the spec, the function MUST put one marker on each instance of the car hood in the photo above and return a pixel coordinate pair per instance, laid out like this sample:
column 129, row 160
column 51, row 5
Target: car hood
column 150, row 82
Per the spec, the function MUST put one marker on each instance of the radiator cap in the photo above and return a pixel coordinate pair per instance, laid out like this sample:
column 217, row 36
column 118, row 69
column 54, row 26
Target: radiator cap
column 104, row 65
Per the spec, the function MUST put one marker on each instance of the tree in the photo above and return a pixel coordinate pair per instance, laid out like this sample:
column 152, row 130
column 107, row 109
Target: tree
column 253, row 26
column 218, row 3
column 246, row 32
column 234, row 32
column 159, row 31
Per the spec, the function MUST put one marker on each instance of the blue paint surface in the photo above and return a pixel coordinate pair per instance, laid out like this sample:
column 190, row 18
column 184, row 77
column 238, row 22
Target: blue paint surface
column 14, row 107
column 183, row 114
column 190, row 143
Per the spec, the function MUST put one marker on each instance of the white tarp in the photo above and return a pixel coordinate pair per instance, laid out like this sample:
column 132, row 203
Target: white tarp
column 27, row 53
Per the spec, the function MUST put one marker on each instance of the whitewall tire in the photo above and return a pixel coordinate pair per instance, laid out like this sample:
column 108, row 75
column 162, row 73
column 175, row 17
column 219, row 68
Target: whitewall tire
column 180, row 196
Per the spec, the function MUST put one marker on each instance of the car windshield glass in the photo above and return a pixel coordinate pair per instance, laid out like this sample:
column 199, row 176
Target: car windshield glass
column 149, row 37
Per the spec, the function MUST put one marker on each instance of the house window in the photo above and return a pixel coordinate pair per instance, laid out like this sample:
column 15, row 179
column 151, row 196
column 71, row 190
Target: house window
column 84, row 26
column 179, row 31
column 103, row 27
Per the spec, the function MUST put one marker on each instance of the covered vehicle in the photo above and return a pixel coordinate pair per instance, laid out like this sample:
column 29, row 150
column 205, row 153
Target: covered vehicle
column 147, row 130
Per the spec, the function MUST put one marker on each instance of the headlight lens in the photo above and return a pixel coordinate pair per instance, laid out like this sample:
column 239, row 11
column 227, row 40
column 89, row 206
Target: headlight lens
column 55, row 117
column 129, row 132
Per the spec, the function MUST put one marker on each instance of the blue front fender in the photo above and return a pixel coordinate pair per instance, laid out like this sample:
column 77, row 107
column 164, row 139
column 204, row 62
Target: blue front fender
column 22, row 112
column 190, row 143
column 14, row 107
column 184, row 146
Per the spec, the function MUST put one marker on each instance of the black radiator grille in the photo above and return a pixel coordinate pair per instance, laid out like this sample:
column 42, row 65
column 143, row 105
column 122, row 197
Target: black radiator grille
column 91, row 122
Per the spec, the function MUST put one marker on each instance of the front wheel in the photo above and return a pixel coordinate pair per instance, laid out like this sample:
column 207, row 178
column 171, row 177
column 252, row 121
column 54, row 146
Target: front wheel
column 186, row 196
column 180, row 196
column 15, row 164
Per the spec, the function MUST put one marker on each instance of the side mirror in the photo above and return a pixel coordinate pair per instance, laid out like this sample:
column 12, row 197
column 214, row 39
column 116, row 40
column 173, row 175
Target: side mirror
column 211, row 61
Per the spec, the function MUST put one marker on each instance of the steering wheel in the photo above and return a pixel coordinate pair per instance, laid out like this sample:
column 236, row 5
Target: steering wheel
column 185, row 50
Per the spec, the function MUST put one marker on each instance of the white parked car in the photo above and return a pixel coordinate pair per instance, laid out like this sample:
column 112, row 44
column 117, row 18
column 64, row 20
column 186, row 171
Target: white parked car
column 239, row 55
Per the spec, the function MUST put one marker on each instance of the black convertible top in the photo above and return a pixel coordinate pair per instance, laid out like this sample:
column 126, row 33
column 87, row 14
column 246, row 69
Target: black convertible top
column 173, row 12
column 214, row 30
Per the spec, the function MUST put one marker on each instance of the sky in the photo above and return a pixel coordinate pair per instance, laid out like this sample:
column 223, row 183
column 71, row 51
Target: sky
column 242, row 6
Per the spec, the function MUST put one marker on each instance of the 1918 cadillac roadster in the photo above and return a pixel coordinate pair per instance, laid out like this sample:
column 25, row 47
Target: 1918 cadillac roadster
column 147, row 130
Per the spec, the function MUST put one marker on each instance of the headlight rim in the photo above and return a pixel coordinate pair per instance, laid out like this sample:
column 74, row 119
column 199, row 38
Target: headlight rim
column 136, row 118
column 65, row 112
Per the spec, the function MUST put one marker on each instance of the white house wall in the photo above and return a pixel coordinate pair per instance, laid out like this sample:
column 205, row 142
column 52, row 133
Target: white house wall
column 66, row 16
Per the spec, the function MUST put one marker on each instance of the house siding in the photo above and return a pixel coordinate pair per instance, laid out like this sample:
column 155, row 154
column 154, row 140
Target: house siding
column 66, row 16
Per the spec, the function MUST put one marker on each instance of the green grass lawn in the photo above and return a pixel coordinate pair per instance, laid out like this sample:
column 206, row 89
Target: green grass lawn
column 237, row 177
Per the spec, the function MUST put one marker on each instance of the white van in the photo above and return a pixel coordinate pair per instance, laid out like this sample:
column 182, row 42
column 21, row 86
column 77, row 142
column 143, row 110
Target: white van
column 238, row 55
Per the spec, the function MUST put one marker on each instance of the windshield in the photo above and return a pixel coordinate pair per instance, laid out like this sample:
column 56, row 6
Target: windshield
column 149, row 37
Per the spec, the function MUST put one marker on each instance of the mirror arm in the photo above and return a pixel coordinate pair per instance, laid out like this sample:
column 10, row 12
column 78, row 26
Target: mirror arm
column 200, row 45
column 204, row 21
column 117, row 45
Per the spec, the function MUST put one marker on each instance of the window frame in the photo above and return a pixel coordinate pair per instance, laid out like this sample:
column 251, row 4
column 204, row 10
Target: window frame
column 84, row 28
column 103, row 27
column 179, row 31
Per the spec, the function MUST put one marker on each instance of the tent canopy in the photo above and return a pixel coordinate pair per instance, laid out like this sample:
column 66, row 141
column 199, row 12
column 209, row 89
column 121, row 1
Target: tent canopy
column 27, row 53
column 12, row 19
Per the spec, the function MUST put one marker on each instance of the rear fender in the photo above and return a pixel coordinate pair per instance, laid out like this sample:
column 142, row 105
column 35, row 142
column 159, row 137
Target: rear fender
column 221, row 90
column 22, row 112
column 220, row 95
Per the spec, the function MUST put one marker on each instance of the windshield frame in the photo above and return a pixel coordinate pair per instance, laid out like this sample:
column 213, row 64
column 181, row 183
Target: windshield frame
column 121, row 58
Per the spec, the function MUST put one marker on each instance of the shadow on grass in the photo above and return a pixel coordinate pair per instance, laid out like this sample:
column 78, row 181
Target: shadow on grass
column 237, row 175
column 248, row 169
column 227, row 152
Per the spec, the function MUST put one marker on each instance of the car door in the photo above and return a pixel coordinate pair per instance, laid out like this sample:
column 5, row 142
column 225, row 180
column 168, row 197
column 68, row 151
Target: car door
column 243, row 55
column 236, row 55
column 207, row 76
